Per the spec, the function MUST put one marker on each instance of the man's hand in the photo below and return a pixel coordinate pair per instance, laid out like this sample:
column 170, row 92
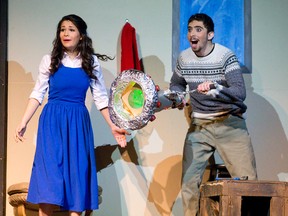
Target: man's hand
column 205, row 87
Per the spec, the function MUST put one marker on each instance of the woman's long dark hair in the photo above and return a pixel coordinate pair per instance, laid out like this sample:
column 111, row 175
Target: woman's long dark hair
column 84, row 47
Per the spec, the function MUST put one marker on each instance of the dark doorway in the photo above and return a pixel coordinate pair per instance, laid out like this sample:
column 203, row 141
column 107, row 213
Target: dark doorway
column 3, row 101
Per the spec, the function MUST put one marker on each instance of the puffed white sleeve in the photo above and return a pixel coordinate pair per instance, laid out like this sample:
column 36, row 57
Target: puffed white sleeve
column 42, row 82
column 98, row 88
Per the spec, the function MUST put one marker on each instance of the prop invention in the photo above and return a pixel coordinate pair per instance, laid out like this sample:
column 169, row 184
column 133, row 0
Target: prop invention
column 134, row 99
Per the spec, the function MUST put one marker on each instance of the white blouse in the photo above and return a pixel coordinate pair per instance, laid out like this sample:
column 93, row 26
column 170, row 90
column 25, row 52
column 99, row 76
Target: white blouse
column 97, row 87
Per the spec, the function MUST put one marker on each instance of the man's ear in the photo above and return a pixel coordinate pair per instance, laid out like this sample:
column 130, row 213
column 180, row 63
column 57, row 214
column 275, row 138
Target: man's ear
column 210, row 35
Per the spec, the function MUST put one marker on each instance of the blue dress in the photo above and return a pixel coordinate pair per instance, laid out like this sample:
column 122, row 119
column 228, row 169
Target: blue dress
column 64, row 169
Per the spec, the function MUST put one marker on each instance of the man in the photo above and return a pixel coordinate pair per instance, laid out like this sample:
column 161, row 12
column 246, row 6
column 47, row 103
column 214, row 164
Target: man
column 217, row 113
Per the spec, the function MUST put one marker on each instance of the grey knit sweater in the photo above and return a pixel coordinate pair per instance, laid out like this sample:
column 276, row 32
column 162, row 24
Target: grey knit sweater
column 220, row 66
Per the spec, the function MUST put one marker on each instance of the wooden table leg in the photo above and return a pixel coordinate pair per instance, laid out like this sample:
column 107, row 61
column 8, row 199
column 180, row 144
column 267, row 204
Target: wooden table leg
column 230, row 205
column 286, row 207
column 209, row 207
column 203, row 206
column 277, row 206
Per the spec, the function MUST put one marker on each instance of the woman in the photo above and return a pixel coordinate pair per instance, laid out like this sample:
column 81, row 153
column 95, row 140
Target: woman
column 64, row 170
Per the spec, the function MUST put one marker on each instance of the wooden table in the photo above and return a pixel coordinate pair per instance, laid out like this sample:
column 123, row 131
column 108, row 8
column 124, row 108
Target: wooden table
column 244, row 197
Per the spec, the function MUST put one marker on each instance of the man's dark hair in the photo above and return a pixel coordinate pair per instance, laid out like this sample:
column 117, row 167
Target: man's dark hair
column 207, row 21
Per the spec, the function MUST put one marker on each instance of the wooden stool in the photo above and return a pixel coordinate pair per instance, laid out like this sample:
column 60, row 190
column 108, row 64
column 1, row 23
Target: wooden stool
column 244, row 197
column 18, row 195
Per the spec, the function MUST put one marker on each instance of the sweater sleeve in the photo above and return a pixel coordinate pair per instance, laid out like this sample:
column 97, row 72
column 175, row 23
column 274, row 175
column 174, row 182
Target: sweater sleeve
column 177, row 81
column 234, row 87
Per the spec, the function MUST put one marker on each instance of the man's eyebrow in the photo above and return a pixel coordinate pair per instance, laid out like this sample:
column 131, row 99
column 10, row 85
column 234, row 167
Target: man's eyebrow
column 189, row 27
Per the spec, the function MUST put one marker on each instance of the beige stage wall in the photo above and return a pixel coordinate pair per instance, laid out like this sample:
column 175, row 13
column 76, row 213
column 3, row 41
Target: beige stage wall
column 144, row 180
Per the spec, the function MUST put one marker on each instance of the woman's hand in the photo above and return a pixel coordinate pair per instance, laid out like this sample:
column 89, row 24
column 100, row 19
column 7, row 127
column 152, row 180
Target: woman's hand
column 31, row 108
column 19, row 132
column 120, row 135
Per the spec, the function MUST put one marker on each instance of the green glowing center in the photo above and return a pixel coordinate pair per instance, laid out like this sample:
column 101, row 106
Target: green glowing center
column 136, row 98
